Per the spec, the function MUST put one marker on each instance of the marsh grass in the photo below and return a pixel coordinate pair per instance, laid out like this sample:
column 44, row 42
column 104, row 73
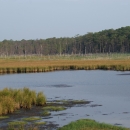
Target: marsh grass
column 17, row 123
column 54, row 108
column 32, row 119
column 4, row 117
column 22, row 127
column 68, row 102
column 87, row 124
column 16, row 127
column 40, row 123
column 14, row 99
column 87, row 62
column 40, row 100
column 46, row 113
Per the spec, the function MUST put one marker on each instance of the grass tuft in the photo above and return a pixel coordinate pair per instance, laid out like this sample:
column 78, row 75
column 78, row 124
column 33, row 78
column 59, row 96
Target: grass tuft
column 32, row 119
column 4, row 117
column 41, row 99
column 16, row 123
column 88, row 124
column 46, row 113
column 14, row 99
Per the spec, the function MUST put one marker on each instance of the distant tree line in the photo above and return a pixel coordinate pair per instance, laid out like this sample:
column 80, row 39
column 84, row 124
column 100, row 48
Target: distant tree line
column 106, row 41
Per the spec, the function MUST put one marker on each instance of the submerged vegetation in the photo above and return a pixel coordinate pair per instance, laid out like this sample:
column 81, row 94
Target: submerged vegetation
column 31, row 118
column 54, row 108
column 4, row 117
column 13, row 99
column 21, row 126
column 88, row 124
column 46, row 113
column 16, row 123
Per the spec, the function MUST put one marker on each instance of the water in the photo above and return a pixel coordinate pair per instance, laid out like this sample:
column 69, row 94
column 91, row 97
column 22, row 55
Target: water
column 106, row 88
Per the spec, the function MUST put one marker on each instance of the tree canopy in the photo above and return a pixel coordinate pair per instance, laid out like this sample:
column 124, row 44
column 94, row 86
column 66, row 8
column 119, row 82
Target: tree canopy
column 106, row 41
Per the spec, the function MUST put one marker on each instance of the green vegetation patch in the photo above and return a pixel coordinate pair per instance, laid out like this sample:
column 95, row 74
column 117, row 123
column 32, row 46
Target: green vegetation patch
column 4, row 117
column 61, row 101
column 40, row 123
column 79, row 101
column 15, row 123
column 31, row 118
column 70, row 102
column 46, row 113
column 54, row 108
column 88, row 124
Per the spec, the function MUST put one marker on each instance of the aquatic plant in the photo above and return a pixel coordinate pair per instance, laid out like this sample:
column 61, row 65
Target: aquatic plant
column 46, row 113
column 16, row 123
column 31, row 118
column 4, row 117
column 21, row 125
column 54, row 108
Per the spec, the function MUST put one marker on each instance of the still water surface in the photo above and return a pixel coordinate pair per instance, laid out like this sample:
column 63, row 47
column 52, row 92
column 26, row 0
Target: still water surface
column 111, row 89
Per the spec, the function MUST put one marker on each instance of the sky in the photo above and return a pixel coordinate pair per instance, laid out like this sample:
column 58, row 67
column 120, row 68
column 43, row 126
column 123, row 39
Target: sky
column 41, row 19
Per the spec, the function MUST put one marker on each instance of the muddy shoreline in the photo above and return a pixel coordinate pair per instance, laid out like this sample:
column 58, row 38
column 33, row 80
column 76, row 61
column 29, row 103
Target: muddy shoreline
column 36, row 111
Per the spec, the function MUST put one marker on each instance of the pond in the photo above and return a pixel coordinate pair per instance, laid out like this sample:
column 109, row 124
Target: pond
column 109, row 92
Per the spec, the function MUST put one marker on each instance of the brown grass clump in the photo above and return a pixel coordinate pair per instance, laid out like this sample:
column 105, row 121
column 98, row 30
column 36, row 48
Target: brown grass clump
column 12, row 99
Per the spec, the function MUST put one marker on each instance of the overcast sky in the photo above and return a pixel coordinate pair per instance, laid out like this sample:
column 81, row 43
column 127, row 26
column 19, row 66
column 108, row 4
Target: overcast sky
column 41, row 19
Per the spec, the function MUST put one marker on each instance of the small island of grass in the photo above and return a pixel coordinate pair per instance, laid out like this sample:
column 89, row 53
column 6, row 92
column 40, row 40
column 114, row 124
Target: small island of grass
column 31, row 118
column 88, row 124
column 17, row 123
column 46, row 113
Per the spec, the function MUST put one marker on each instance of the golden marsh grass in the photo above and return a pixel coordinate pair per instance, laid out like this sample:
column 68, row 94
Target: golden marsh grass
column 26, row 65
